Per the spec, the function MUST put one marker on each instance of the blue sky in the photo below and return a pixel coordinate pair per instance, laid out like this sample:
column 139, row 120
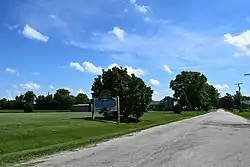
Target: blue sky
column 51, row 44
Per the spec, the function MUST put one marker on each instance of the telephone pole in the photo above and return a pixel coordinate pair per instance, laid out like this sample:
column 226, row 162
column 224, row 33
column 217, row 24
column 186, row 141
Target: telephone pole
column 238, row 84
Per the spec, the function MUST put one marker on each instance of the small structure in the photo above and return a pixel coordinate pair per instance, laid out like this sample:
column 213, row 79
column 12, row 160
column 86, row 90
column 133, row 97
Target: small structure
column 245, row 104
column 169, row 103
column 81, row 108
column 166, row 104
column 155, row 105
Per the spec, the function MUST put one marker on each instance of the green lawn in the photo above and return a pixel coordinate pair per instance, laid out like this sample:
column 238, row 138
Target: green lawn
column 24, row 135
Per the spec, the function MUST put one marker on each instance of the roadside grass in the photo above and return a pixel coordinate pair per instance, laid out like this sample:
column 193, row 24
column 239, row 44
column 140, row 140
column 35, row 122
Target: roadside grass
column 243, row 114
column 27, row 135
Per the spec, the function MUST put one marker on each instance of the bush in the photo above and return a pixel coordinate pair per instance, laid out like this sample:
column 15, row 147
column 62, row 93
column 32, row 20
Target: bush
column 28, row 108
column 178, row 109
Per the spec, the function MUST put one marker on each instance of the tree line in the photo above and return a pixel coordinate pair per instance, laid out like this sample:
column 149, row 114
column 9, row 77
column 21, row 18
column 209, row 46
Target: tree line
column 61, row 100
column 191, row 92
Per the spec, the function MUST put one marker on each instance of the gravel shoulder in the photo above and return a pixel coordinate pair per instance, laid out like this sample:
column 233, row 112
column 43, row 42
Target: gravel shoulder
column 215, row 139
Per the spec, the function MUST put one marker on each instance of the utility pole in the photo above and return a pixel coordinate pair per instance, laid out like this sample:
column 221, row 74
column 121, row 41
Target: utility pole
column 238, row 84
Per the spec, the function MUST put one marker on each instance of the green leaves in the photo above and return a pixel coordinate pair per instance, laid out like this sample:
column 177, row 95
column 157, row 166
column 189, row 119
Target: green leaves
column 133, row 92
column 192, row 90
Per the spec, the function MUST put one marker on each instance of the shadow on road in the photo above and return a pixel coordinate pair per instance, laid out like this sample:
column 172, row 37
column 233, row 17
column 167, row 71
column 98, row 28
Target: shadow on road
column 232, row 125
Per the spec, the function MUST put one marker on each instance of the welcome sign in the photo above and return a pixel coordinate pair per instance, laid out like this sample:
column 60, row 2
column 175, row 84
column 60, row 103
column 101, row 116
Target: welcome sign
column 109, row 104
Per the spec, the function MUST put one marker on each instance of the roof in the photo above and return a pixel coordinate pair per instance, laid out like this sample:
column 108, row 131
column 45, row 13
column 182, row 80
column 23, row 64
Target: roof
column 80, row 105
column 155, row 103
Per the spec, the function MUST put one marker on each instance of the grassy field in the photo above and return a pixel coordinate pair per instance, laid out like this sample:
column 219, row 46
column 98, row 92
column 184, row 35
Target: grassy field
column 25, row 135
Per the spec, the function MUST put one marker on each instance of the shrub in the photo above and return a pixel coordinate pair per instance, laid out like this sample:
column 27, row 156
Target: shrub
column 178, row 109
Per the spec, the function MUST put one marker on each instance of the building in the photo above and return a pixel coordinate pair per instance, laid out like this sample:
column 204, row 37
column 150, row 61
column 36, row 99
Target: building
column 81, row 108
column 167, row 104
column 245, row 104
column 156, row 105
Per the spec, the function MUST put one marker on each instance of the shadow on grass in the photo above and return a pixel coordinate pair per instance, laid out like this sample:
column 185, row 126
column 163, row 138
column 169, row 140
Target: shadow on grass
column 105, row 120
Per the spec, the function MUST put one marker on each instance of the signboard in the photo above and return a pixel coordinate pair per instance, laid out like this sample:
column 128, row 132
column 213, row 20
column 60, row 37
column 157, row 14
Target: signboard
column 109, row 104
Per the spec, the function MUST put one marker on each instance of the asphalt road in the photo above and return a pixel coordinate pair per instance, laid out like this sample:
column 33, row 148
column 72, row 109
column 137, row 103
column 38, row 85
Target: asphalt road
column 218, row 139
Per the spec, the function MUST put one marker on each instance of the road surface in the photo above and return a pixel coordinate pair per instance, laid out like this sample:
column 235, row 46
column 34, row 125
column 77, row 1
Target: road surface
column 218, row 139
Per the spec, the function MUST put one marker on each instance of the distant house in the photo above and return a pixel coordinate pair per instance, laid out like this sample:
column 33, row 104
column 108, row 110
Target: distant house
column 246, row 103
column 167, row 104
column 155, row 105
column 80, row 108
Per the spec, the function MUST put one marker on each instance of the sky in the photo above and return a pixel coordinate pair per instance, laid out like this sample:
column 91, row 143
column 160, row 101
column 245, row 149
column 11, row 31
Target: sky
column 52, row 44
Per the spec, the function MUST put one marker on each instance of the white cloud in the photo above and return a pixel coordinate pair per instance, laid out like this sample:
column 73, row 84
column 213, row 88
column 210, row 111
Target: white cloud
column 15, row 86
column 80, row 91
column 137, row 71
column 12, row 27
column 31, row 33
column 241, row 42
column 90, row 67
column 119, row 33
column 51, row 87
column 77, row 66
column 10, row 70
column 30, row 86
column 69, row 89
column 113, row 65
column 9, row 95
column 167, row 69
column 140, row 8
column 221, row 86
column 35, row 73
column 147, row 19
column 154, row 82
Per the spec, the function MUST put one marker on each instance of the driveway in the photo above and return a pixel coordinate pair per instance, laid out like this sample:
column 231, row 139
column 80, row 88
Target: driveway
column 217, row 139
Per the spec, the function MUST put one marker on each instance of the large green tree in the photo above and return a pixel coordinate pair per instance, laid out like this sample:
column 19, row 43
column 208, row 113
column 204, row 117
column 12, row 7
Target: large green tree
column 29, row 97
column 81, row 98
column 189, row 89
column 134, row 94
column 63, row 99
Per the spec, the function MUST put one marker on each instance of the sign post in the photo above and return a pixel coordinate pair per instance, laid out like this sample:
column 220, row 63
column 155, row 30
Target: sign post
column 93, row 109
column 118, row 109
column 107, row 104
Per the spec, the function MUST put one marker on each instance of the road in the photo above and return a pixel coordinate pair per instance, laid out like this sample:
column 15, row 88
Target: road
column 218, row 139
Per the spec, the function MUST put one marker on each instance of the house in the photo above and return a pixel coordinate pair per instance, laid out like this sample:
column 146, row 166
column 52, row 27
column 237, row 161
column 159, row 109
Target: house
column 167, row 104
column 155, row 105
column 245, row 104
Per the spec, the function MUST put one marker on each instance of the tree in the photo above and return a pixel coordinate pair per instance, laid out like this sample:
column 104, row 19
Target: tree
column 29, row 97
column 19, row 102
column 189, row 89
column 226, row 102
column 134, row 94
column 210, row 97
column 81, row 98
column 63, row 99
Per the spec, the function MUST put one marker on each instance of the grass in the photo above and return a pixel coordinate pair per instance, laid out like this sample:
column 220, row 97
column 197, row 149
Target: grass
column 27, row 135
column 243, row 114
column 36, row 111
